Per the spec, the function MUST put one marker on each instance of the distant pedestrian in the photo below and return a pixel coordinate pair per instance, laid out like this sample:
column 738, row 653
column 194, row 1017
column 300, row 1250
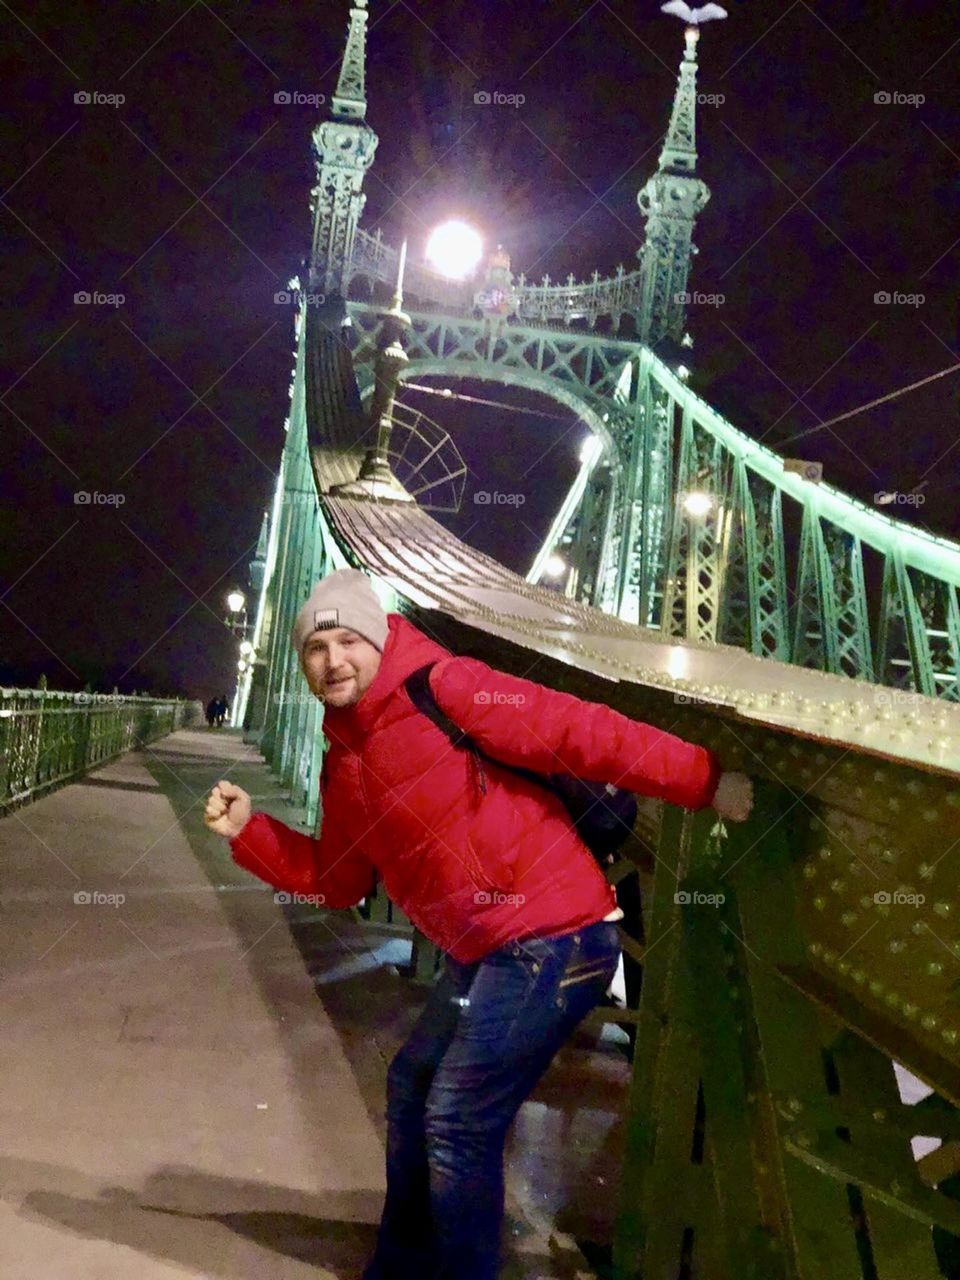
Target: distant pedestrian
column 222, row 707
column 212, row 708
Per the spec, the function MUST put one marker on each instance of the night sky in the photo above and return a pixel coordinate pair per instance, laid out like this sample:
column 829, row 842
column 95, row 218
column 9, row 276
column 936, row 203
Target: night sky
column 189, row 198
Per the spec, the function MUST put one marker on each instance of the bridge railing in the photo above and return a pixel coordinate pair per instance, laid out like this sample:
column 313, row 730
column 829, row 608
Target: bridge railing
column 49, row 737
column 546, row 303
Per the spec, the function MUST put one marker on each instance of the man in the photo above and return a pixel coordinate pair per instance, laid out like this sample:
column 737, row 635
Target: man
column 487, row 864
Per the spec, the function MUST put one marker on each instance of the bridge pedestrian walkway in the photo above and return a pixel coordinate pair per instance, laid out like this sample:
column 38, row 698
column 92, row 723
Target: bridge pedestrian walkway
column 176, row 1100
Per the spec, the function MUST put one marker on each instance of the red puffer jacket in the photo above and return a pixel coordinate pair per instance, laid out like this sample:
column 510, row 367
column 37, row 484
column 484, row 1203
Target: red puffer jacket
column 473, row 870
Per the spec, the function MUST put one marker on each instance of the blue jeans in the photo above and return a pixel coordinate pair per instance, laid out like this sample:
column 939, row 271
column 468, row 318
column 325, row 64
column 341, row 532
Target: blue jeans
column 484, row 1039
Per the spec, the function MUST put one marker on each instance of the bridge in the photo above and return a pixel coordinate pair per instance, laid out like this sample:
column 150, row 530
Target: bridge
column 808, row 639
column 775, row 972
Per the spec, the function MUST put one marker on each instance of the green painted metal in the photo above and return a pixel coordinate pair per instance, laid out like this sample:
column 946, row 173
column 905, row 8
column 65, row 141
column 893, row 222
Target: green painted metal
column 738, row 574
column 48, row 737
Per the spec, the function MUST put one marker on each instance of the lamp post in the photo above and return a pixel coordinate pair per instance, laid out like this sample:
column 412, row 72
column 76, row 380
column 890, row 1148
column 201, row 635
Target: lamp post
column 236, row 620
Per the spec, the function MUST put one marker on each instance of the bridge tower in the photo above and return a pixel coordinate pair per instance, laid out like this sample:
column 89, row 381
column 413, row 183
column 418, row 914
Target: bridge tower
column 345, row 146
column 766, row 558
column 670, row 201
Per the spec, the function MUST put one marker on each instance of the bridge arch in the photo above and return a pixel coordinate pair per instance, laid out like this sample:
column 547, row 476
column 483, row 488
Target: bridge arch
column 488, row 371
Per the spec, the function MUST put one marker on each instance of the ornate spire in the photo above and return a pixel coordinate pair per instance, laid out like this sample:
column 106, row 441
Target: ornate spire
column 258, row 564
column 350, row 99
column 345, row 147
column 679, row 153
column 670, row 202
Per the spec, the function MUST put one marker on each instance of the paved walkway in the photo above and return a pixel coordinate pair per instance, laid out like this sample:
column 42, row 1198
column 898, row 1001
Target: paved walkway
column 176, row 1101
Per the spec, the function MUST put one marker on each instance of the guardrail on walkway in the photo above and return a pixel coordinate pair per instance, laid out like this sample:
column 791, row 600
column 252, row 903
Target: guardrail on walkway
column 48, row 737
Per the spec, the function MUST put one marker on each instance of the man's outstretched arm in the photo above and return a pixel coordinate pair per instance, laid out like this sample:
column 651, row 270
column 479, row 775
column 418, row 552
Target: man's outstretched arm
column 529, row 726
column 289, row 860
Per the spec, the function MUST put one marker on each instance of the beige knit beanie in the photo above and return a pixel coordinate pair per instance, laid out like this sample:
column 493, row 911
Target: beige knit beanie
column 342, row 599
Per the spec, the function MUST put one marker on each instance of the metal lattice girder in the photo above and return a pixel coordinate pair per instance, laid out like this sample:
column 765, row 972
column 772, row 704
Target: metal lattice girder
column 832, row 630
column 695, row 568
column 903, row 658
column 766, row 561
column 651, row 479
column 938, row 607
column 737, row 531
column 738, row 570
column 846, row 605
column 813, row 646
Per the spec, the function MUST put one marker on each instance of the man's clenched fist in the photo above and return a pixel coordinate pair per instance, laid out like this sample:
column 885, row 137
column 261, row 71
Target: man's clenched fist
column 734, row 797
column 228, row 809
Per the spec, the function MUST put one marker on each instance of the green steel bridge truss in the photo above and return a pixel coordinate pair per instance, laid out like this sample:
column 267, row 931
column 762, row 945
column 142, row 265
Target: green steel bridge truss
column 787, row 567
column 774, row 969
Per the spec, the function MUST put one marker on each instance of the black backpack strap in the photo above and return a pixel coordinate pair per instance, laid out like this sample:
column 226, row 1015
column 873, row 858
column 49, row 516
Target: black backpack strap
column 420, row 694
column 418, row 690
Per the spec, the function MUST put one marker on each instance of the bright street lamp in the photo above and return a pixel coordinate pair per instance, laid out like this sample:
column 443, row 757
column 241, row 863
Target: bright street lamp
column 555, row 566
column 454, row 249
column 697, row 504
column 235, row 601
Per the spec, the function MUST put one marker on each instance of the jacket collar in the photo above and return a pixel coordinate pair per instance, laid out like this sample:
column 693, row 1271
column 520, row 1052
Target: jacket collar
column 405, row 651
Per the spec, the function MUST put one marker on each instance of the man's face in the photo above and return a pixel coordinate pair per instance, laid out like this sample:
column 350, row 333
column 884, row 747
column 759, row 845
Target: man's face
column 339, row 665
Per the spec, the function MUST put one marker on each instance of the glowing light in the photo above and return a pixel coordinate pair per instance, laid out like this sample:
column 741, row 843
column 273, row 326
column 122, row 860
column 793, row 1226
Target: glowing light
column 555, row 566
column 589, row 450
column 246, row 649
column 454, row 249
column 241, row 666
column 235, row 601
column 683, row 373
column 697, row 504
